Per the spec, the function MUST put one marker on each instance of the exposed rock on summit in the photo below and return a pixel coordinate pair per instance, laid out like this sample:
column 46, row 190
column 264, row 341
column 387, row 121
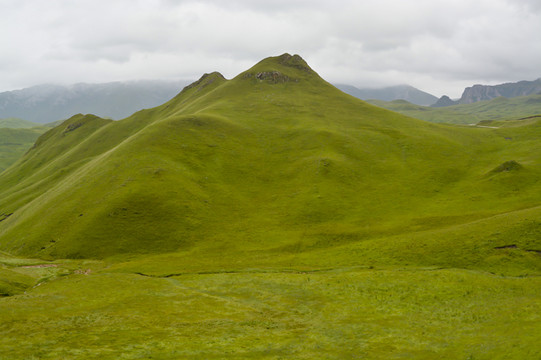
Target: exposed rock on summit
column 273, row 77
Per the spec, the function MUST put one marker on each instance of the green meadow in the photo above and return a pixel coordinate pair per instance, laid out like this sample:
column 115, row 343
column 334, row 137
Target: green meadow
column 468, row 114
column 16, row 137
column 272, row 216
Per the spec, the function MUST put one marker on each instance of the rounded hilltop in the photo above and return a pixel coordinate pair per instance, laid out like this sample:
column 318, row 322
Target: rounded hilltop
column 280, row 69
column 206, row 79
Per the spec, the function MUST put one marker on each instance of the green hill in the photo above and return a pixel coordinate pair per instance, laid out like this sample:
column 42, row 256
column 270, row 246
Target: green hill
column 14, row 142
column 276, row 148
column 273, row 216
column 497, row 109
column 16, row 137
column 15, row 123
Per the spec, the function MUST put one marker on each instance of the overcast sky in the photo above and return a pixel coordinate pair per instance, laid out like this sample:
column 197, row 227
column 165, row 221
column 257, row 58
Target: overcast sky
column 435, row 45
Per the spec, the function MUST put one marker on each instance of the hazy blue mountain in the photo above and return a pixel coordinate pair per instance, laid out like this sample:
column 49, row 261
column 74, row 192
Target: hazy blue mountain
column 398, row 92
column 116, row 100
column 444, row 101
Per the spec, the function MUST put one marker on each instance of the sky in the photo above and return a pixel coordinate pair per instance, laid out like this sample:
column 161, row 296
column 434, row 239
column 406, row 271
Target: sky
column 437, row 46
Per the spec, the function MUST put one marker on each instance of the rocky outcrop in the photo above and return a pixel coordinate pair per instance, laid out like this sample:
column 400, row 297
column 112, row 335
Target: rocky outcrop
column 272, row 77
column 484, row 92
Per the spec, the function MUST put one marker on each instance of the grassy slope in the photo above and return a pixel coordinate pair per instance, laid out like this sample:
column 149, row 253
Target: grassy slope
column 14, row 142
column 270, row 219
column 16, row 137
column 226, row 164
column 496, row 109
column 14, row 123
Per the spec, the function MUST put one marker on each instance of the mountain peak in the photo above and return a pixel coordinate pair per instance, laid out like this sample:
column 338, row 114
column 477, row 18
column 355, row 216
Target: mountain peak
column 293, row 61
column 444, row 101
column 280, row 69
column 205, row 80
column 287, row 60
column 479, row 92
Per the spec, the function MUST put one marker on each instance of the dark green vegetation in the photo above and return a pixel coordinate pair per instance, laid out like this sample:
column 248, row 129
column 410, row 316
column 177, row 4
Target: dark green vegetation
column 272, row 216
column 498, row 109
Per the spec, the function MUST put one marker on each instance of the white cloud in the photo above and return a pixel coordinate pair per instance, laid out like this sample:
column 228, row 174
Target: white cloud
column 433, row 45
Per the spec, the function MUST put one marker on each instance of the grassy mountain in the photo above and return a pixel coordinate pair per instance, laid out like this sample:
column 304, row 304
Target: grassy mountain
column 219, row 151
column 398, row 92
column 496, row 109
column 15, row 123
column 47, row 103
column 444, row 101
column 16, row 137
column 14, row 142
column 272, row 216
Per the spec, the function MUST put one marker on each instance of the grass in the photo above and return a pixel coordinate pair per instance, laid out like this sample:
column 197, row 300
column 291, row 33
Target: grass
column 332, row 314
column 14, row 142
column 272, row 216
column 15, row 123
column 16, row 137
column 496, row 109
column 258, row 162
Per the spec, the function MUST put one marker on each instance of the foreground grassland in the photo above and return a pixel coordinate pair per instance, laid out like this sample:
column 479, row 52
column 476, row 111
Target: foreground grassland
column 443, row 293
column 95, row 310
column 272, row 217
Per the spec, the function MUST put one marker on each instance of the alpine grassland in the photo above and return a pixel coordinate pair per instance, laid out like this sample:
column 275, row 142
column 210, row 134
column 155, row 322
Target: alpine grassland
column 500, row 108
column 16, row 137
column 272, row 216
column 15, row 123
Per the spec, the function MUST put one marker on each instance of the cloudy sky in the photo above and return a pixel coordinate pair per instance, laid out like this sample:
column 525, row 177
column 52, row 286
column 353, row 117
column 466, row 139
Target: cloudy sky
column 435, row 45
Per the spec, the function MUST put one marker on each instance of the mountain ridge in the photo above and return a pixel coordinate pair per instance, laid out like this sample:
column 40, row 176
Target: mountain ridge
column 48, row 103
column 477, row 93
column 397, row 92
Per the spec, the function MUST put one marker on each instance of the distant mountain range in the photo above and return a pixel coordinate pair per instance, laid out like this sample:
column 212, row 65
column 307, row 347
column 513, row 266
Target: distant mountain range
column 116, row 100
column 402, row 92
column 478, row 93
